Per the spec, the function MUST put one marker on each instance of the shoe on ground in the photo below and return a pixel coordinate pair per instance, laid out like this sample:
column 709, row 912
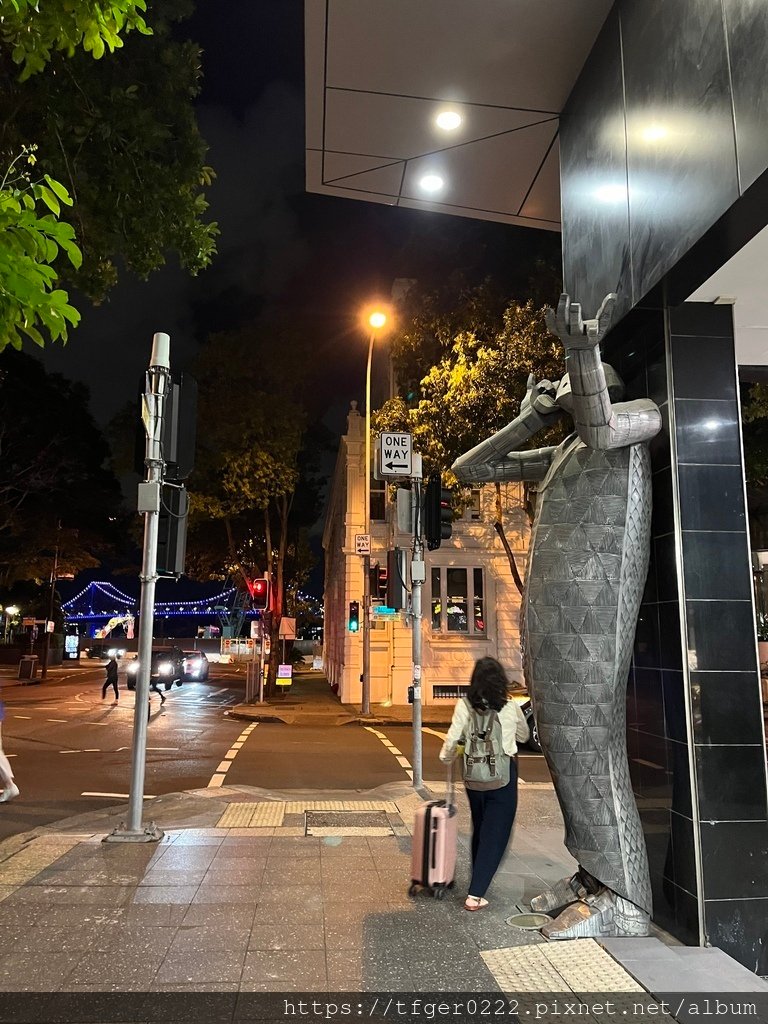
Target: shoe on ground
column 475, row 903
column 9, row 793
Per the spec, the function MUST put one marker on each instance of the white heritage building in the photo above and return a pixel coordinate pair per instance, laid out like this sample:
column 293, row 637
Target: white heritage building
column 471, row 605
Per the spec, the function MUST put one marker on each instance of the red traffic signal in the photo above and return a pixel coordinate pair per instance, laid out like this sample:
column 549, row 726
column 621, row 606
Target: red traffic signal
column 260, row 594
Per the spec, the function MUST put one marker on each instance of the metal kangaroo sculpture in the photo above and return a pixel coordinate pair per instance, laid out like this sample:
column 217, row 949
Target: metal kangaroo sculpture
column 587, row 565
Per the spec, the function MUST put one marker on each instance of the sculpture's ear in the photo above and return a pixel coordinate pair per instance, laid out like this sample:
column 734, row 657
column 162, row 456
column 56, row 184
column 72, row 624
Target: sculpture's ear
column 557, row 323
column 605, row 314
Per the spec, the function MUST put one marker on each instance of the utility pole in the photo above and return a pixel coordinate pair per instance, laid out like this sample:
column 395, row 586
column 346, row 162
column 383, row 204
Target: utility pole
column 418, row 576
column 54, row 575
column 150, row 494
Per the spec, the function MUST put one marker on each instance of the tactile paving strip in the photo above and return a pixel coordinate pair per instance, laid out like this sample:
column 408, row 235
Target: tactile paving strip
column 261, row 815
column 270, row 814
column 23, row 866
column 578, row 965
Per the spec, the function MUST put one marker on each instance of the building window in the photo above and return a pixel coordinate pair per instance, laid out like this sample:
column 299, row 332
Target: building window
column 378, row 495
column 474, row 504
column 454, row 592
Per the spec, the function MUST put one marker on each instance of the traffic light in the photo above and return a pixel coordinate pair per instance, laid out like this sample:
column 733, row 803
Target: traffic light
column 354, row 616
column 260, row 594
column 438, row 513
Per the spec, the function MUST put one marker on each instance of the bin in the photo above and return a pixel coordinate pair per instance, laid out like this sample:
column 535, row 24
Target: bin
column 28, row 667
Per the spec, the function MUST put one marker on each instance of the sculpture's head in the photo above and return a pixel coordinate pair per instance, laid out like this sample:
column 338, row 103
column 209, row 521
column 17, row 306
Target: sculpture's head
column 564, row 396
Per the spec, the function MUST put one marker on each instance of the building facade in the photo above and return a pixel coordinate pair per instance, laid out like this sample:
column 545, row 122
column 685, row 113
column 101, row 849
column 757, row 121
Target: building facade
column 639, row 129
column 471, row 605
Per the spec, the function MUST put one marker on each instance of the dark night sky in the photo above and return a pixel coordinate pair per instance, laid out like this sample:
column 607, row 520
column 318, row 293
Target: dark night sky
column 281, row 251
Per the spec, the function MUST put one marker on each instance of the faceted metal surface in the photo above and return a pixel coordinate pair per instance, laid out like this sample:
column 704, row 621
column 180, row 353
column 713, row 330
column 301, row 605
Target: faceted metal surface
column 588, row 561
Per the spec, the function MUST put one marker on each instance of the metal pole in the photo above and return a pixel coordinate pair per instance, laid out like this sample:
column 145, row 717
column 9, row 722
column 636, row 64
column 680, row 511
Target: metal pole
column 54, row 574
column 366, row 695
column 418, row 575
column 158, row 378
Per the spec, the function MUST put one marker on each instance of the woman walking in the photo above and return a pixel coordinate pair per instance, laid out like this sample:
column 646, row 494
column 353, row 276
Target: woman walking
column 487, row 719
column 10, row 789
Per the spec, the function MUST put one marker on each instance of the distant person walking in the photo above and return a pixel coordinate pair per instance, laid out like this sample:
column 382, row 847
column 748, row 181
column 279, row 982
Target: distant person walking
column 10, row 789
column 111, row 679
column 489, row 726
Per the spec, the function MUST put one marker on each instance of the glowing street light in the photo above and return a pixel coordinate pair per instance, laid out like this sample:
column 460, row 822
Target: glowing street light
column 377, row 319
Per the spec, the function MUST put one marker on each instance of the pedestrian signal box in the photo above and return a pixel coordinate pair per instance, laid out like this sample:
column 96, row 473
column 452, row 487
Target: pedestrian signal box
column 354, row 616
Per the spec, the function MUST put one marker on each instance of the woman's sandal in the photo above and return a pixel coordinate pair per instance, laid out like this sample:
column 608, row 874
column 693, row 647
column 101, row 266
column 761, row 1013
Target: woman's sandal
column 475, row 903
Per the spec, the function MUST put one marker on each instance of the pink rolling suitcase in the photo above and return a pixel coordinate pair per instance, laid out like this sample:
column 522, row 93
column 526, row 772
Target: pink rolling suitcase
column 433, row 850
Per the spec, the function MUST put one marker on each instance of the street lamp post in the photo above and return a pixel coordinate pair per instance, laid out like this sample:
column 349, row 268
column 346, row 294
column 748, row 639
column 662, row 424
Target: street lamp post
column 376, row 321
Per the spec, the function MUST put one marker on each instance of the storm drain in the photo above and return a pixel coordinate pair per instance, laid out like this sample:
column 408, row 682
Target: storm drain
column 347, row 823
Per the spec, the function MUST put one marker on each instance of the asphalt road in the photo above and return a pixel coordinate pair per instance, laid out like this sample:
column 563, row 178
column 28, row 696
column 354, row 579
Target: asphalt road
column 71, row 751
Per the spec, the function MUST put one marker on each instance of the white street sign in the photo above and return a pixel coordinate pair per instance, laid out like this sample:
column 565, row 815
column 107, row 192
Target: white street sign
column 395, row 452
column 362, row 543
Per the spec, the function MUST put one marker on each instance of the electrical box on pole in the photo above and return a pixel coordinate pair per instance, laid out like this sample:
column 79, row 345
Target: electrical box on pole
column 172, row 531
column 397, row 594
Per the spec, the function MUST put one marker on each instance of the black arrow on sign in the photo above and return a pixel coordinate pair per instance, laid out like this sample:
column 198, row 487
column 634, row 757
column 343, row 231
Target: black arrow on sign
column 396, row 465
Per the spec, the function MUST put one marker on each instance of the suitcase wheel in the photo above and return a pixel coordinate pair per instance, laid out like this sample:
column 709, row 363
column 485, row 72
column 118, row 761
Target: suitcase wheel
column 413, row 889
column 439, row 893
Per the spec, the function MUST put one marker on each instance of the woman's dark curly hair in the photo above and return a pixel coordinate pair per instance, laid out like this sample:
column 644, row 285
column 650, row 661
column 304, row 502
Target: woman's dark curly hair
column 488, row 686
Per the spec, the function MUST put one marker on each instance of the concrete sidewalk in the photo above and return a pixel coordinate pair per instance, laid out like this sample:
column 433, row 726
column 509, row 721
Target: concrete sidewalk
column 254, row 891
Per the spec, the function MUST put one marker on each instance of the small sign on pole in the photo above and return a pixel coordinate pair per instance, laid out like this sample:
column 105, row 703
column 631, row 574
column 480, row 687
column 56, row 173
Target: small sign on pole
column 362, row 543
column 395, row 451
column 287, row 630
column 284, row 675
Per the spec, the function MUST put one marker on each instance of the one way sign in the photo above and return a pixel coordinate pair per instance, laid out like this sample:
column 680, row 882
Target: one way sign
column 395, row 454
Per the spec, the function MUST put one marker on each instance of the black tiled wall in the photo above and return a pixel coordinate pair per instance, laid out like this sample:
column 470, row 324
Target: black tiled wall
column 695, row 732
column 725, row 718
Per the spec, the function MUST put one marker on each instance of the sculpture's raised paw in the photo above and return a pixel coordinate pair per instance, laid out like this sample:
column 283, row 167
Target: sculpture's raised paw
column 567, row 890
column 606, row 914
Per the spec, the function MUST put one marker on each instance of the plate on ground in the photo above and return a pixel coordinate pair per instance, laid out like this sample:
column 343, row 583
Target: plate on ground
column 347, row 823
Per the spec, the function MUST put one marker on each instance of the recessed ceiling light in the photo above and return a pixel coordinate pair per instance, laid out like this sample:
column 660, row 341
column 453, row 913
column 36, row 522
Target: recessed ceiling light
column 654, row 133
column 448, row 120
column 611, row 193
column 431, row 183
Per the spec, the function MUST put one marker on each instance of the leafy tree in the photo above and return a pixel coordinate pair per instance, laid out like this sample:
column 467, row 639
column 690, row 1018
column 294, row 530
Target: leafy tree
column 30, row 243
column 33, row 31
column 482, row 353
column 54, row 489
column 754, row 415
column 119, row 133
column 251, row 426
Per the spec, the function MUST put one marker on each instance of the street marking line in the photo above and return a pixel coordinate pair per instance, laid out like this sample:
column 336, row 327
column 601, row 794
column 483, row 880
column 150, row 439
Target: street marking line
column 120, row 796
column 217, row 779
column 433, row 732
column 91, row 750
column 70, row 751
column 56, row 720
column 28, row 717
column 152, row 748
column 402, row 761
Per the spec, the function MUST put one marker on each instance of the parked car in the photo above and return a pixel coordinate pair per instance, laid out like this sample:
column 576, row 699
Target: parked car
column 104, row 649
column 167, row 667
column 195, row 666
